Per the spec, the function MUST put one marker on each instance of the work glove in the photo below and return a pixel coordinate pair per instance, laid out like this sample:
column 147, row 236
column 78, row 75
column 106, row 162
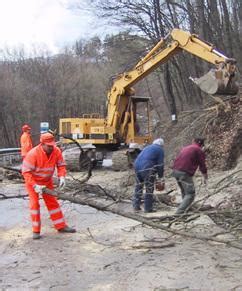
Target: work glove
column 62, row 183
column 39, row 188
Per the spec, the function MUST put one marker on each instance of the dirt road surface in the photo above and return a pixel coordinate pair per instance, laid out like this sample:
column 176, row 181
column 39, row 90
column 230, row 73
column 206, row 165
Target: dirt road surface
column 108, row 252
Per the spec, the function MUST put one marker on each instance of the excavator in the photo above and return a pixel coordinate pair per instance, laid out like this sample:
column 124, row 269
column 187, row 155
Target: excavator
column 120, row 124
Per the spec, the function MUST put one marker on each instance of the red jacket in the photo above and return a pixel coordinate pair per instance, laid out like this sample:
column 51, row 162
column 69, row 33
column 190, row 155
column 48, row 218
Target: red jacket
column 26, row 143
column 189, row 159
column 38, row 168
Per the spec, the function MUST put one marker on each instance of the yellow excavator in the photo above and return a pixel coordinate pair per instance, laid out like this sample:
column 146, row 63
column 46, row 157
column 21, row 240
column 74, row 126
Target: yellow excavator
column 120, row 124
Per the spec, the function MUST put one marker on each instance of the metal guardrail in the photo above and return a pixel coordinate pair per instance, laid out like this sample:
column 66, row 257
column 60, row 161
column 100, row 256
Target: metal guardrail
column 10, row 156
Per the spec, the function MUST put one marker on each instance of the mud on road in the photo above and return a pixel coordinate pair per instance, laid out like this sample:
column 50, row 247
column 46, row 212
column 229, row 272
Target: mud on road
column 108, row 252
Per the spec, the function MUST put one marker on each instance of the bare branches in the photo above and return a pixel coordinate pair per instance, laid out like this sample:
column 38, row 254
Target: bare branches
column 101, row 204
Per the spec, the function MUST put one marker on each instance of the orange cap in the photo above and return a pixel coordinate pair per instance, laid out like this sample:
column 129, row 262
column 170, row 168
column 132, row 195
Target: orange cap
column 26, row 127
column 47, row 138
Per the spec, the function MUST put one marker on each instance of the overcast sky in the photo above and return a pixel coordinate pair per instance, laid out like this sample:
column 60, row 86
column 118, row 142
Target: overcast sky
column 48, row 22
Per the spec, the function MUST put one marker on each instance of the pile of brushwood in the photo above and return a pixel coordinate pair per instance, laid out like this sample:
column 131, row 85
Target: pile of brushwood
column 220, row 125
column 224, row 216
column 224, row 135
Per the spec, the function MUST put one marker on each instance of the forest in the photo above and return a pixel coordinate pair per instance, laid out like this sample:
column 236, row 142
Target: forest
column 44, row 87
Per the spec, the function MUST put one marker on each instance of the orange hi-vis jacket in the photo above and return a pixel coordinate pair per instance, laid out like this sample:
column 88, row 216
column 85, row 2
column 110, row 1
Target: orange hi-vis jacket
column 38, row 168
column 26, row 143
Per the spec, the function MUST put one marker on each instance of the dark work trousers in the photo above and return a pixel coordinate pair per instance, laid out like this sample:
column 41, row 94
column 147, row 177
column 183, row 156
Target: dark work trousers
column 186, row 184
column 144, row 178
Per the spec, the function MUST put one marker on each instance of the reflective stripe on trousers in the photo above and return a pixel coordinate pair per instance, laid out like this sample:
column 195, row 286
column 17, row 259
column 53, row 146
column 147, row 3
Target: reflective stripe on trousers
column 35, row 218
column 57, row 217
column 52, row 205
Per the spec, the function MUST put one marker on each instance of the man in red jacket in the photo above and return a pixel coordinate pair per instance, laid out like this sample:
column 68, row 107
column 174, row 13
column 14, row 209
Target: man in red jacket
column 38, row 169
column 25, row 140
column 186, row 163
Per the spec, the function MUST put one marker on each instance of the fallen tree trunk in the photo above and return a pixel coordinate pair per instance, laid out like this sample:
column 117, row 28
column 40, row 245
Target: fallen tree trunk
column 126, row 211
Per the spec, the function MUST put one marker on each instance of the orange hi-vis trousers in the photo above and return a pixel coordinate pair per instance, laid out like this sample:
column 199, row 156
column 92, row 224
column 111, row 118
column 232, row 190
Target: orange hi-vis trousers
column 52, row 205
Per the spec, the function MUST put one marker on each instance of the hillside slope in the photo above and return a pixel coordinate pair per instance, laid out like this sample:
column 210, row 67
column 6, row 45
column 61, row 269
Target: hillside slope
column 222, row 130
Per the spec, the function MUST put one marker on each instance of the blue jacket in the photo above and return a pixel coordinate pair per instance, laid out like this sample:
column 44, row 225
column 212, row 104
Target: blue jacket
column 151, row 156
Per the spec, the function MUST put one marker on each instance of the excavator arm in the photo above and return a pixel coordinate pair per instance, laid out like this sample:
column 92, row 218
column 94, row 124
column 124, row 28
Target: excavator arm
column 123, row 123
column 219, row 80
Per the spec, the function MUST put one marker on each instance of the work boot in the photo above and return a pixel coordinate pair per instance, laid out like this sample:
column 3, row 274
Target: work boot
column 148, row 203
column 149, row 210
column 179, row 212
column 36, row 235
column 67, row 229
column 137, row 209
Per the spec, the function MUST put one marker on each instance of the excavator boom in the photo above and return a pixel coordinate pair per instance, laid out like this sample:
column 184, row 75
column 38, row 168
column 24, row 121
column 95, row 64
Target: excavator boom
column 123, row 123
column 219, row 81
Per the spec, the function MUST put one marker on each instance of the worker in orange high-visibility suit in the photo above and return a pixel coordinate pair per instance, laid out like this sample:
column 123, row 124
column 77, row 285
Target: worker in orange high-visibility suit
column 38, row 169
column 25, row 140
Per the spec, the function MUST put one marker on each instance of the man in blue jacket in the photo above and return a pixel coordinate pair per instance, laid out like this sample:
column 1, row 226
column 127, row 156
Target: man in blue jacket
column 148, row 164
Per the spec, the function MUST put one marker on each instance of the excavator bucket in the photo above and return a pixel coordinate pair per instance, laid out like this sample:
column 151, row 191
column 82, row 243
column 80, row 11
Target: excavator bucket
column 214, row 83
